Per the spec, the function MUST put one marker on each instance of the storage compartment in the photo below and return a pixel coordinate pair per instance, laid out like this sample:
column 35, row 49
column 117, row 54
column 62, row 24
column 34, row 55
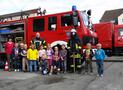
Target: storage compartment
column 14, row 30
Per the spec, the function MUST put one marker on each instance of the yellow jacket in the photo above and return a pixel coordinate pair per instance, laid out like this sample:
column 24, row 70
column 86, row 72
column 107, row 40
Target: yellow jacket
column 32, row 54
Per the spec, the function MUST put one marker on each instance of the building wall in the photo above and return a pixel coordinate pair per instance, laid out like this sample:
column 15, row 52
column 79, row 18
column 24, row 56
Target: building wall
column 120, row 19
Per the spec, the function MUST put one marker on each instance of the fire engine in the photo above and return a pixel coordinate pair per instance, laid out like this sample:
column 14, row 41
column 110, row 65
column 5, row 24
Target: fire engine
column 110, row 36
column 54, row 28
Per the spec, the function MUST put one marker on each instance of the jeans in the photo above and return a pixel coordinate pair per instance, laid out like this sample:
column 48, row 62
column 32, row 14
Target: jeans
column 64, row 65
column 100, row 67
column 31, row 63
column 44, row 65
column 56, row 64
column 16, row 63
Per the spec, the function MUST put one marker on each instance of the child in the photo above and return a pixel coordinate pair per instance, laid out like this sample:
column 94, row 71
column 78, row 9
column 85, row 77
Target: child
column 87, row 55
column 49, row 53
column 100, row 56
column 32, row 56
column 55, row 68
column 24, row 58
column 41, row 52
column 15, row 57
column 20, row 56
column 63, row 55
column 43, row 64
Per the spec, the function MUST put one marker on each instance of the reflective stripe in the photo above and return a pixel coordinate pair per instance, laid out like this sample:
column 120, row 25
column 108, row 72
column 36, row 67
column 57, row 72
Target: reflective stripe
column 68, row 47
column 72, row 66
column 40, row 42
column 78, row 47
column 76, row 56
column 43, row 41
column 78, row 66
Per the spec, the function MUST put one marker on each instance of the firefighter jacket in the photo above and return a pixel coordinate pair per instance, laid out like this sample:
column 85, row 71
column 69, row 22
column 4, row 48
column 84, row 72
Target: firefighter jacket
column 74, row 46
column 32, row 54
column 38, row 42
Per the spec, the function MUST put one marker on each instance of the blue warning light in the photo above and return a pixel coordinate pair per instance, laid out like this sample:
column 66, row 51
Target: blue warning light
column 74, row 8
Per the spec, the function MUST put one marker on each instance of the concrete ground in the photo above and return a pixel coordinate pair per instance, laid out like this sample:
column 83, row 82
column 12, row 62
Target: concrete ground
column 112, row 80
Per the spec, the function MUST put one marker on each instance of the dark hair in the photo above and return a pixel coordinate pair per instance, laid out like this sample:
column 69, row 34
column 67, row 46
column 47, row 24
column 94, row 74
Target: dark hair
column 32, row 44
column 9, row 39
column 63, row 45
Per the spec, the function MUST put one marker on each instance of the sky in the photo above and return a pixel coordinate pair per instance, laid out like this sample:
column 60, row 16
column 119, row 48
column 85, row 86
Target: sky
column 54, row 6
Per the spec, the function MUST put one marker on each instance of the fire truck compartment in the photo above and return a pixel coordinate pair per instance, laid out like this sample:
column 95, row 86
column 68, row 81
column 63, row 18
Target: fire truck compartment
column 11, row 30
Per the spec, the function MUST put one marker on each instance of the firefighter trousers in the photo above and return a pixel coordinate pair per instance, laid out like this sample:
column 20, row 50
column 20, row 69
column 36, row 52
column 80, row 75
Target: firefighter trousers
column 75, row 64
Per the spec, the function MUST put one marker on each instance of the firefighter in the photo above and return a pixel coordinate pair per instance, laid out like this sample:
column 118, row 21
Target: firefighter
column 74, row 47
column 38, row 41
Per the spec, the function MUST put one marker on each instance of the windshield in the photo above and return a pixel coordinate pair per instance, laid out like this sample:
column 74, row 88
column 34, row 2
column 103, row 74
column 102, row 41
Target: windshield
column 85, row 18
column 120, row 32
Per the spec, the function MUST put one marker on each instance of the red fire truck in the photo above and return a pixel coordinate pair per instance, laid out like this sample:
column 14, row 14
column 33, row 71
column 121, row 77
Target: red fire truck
column 54, row 28
column 110, row 36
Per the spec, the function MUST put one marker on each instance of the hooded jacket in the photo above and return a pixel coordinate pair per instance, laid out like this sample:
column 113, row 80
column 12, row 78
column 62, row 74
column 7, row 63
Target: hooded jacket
column 100, row 54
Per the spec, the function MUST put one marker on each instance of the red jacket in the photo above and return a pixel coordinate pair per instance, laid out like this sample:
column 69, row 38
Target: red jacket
column 8, row 47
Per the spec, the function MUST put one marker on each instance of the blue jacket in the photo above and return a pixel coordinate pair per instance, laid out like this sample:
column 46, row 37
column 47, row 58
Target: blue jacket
column 100, row 54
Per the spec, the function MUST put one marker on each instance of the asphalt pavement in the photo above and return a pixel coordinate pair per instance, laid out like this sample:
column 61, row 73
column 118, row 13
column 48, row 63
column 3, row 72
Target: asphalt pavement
column 112, row 80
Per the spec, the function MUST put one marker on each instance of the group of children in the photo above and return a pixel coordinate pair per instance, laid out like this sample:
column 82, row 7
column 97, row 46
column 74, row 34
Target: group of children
column 99, row 54
column 52, row 61
column 19, row 57
column 55, row 60
column 49, row 60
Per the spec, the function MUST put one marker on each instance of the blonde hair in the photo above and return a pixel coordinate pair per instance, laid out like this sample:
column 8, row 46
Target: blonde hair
column 99, row 44
column 21, row 44
column 88, row 45
column 25, row 45
column 44, row 56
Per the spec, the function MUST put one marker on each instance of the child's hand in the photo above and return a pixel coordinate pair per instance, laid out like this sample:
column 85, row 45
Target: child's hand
column 38, row 59
column 62, row 58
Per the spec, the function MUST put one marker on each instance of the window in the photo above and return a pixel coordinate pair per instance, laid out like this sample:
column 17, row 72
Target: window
column 66, row 20
column 38, row 25
column 85, row 18
column 121, row 32
column 52, row 21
